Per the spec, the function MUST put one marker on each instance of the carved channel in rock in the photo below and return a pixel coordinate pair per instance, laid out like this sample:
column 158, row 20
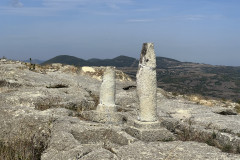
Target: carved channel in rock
column 129, row 87
column 58, row 86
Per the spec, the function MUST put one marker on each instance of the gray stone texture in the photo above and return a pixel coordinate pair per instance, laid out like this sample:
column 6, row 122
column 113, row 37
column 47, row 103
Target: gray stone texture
column 172, row 151
column 148, row 128
column 149, row 131
column 108, row 91
column 104, row 117
column 147, row 84
column 150, row 135
column 29, row 109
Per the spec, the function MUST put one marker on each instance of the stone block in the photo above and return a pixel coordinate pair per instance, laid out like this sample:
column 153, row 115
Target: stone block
column 150, row 131
column 104, row 117
column 106, row 108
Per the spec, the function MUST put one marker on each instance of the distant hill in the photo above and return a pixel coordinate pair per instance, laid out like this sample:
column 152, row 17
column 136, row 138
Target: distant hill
column 179, row 77
column 120, row 61
column 66, row 59
column 163, row 62
column 35, row 61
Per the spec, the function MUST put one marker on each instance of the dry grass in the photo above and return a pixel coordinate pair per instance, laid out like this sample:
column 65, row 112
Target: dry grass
column 88, row 106
column 237, row 108
column 46, row 103
column 26, row 141
column 19, row 150
column 201, row 100
column 22, row 148
column 187, row 132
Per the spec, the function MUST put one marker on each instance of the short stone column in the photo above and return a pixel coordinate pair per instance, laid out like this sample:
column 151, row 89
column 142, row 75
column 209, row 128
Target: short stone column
column 147, row 84
column 107, row 91
column 106, row 111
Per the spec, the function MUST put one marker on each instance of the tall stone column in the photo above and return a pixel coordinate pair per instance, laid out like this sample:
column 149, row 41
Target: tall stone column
column 147, row 84
column 148, row 127
column 107, row 91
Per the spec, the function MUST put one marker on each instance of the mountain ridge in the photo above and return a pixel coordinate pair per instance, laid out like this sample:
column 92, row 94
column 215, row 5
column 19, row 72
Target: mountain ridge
column 210, row 81
column 34, row 61
column 119, row 61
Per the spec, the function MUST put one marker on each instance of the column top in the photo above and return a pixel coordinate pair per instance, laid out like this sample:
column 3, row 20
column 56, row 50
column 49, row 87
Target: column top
column 148, row 57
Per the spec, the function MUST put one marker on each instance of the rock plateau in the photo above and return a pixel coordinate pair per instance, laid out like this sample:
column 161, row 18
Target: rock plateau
column 42, row 109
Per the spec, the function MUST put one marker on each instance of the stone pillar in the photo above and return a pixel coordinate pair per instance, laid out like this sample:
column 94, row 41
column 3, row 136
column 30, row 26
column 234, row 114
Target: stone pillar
column 148, row 127
column 106, row 111
column 147, row 84
column 107, row 91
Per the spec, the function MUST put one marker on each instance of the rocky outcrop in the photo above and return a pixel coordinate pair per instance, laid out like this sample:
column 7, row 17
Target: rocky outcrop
column 39, row 116
column 172, row 151
column 97, row 73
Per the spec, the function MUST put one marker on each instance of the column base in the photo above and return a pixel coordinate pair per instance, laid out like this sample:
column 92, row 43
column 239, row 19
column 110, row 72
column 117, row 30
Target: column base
column 104, row 117
column 150, row 131
column 106, row 108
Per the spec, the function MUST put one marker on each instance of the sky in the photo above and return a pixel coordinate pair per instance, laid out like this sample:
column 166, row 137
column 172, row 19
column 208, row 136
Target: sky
column 202, row 31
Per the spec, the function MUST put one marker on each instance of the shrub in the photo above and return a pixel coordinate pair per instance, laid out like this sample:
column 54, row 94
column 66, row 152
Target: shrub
column 227, row 148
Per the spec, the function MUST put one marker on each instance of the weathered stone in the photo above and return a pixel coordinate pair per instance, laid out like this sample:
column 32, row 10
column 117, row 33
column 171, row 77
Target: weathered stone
column 97, row 73
column 65, row 136
column 176, row 150
column 151, row 135
column 107, row 92
column 100, row 154
column 148, row 128
column 147, row 84
column 101, row 135
column 106, row 109
column 104, row 117
column 201, row 123
column 75, row 153
column 3, row 60
column 150, row 131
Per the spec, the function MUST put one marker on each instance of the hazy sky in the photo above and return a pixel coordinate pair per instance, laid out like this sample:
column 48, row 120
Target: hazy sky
column 204, row 31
